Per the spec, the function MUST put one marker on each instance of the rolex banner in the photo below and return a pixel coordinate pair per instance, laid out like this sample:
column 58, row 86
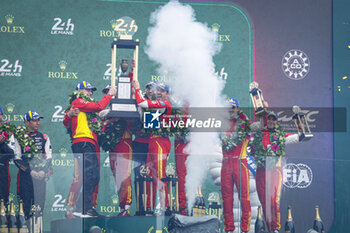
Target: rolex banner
column 48, row 47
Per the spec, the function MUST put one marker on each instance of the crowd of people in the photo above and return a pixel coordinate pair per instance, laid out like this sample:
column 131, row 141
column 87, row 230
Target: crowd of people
column 87, row 120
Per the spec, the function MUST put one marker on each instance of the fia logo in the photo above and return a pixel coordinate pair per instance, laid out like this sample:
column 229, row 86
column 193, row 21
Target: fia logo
column 62, row 28
column 220, row 37
column 9, row 28
column 8, row 69
column 63, row 74
column 297, row 175
column 151, row 120
column 295, row 64
column 58, row 115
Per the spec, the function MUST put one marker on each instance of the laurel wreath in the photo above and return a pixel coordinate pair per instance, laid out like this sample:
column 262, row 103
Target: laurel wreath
column 241, row 132
column 94, row 121
column 112, row 133
column 273, row 150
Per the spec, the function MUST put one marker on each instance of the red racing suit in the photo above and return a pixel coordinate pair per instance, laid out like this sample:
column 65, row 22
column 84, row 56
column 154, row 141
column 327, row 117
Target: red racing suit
column 181, row 171
column 269, row 185
column 81, row 133
column 158, row 150
column 120, row 161
column 235, row 171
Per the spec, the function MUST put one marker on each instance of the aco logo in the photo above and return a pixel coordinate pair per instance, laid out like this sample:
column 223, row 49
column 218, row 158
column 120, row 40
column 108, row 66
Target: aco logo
column 10, row 68
column 297, row 175
column 122, row 26
column 62, row 27
column 10, row 107
column 295, row 64
column 220, row 37
column 9, row 28
column 62, row 73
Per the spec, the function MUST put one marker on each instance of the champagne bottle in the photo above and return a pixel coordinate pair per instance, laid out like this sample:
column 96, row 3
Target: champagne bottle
column 12, row 221
column 318, row 225
column 22, row 224
column 289, row 226
column 201, row 202
column 260, row 225
column 3, row 218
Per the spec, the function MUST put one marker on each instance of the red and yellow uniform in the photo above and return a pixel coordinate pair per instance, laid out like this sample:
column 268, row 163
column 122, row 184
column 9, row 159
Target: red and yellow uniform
column 120, row 161
column 158, row 150
column 86, row 152
column 181, row 171
column 269, row 182
column 235, row 171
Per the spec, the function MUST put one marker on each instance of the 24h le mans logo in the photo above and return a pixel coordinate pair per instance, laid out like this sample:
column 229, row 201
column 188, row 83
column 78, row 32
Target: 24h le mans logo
column 295, row 64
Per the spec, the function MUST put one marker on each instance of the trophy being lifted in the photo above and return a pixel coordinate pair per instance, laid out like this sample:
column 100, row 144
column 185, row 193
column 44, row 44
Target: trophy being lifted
column 257, row 98
column 301, row 124
column 124, row 105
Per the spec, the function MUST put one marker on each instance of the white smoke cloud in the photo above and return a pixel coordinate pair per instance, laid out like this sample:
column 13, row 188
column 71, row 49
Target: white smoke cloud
column 185, row 48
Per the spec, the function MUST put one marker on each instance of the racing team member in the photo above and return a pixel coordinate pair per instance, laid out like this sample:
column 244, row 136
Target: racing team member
column 120, row 160
column 85, row 142
column 141, row 143
column 6, row 153
column 235, row 171
column 272, row 172
column 31, row 184
column 159, row 146
column 180, row 159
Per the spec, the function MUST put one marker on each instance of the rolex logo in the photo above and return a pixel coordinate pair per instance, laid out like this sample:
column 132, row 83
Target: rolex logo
column 115, row 199
column 63, row 65
column 63, row 152
column 215, row 27
column 10, row 107
column 9, row 18
column 113, row 23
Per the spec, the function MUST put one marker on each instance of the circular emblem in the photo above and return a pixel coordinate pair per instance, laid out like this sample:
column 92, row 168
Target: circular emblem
column 297, row 175
column 295, row 64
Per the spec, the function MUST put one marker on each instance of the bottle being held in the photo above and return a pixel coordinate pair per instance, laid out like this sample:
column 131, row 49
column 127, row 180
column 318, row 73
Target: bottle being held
column 12, row 220
column 3, row 218
column 318, row 224
column 289, row 226
column 260, row 225
column 21, row 221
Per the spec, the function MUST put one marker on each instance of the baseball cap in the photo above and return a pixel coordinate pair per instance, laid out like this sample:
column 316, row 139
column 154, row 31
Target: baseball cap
column 32, row 115
column 164, row 86
column 151, row 83
column 106, row 89
column 274, row 114
column 1, row 111
column 85, row 85
column 233, row 102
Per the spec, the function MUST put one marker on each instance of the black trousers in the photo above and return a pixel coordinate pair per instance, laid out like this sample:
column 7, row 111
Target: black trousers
column 32, row 192
column 90, row 171
column 4, row 182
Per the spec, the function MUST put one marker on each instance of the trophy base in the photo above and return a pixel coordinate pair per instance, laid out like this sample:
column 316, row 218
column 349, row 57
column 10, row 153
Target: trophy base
column 305, row 137
column 124, row 108
column 260, row 111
